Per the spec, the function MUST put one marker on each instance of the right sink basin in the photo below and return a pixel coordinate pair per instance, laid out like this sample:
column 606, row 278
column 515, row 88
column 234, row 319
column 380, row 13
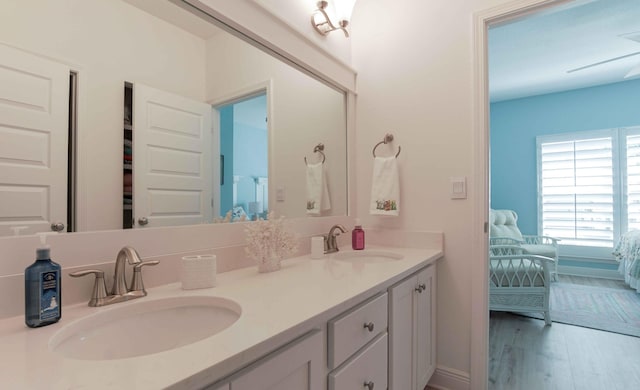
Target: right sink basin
column 368, row 256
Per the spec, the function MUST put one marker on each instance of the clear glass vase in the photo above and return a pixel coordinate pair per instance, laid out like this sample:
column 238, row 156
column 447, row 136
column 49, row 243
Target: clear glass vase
column 269, row 263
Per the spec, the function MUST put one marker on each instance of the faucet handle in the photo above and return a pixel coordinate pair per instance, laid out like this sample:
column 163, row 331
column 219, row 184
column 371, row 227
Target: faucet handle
column 136, row 280
column 99, row 287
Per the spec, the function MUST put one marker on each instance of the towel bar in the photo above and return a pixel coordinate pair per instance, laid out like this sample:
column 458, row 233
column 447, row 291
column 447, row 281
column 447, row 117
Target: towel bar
column 318, row 149
column 387, row 138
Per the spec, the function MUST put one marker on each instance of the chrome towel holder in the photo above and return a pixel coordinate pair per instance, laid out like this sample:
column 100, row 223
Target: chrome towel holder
column 387, row 139
column 318, row 149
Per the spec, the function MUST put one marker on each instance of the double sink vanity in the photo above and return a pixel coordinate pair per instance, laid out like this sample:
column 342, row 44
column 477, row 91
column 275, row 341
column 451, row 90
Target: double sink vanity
column 353, row 319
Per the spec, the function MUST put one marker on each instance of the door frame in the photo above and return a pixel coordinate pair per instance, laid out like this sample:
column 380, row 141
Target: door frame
column 265, row 87
column 479, row 368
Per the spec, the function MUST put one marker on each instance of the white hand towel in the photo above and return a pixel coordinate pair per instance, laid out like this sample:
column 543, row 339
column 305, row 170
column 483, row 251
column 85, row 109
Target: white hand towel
column 385, row 187
column 317, row 190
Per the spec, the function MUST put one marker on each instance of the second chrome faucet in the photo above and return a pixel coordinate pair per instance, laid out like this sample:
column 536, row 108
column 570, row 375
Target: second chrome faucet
column 330, row 242
column 119, row 292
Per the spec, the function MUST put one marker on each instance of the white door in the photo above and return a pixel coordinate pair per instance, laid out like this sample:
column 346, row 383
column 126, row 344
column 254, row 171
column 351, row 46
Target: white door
column 34, row 105
column 172, row 172
column 426, row 327
column 402, row 335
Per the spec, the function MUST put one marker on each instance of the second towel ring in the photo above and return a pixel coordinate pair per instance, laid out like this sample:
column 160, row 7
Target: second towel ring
column 318, row 149
column 387, row 138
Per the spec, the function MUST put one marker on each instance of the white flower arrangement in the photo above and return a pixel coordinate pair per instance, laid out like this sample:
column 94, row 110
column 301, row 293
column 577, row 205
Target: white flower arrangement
column 268, row 242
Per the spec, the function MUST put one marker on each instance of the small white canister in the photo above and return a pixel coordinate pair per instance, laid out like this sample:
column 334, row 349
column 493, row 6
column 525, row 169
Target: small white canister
column 317, row 247
column 198, row 272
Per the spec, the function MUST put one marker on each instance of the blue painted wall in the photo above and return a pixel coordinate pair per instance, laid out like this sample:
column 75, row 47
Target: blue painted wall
column 249, row 160
column 250, row 151
column 516, row 123
column 226, row 149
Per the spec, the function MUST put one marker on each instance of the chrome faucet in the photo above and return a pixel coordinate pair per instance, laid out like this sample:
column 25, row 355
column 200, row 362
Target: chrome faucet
column 330, row 242
column 119, row 280
column 119, row 291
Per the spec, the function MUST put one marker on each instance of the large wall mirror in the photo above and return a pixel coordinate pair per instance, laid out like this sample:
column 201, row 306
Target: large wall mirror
column 137, row 113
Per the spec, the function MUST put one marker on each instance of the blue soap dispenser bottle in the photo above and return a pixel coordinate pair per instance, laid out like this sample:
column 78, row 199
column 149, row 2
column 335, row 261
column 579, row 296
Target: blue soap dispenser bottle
column 42, row 298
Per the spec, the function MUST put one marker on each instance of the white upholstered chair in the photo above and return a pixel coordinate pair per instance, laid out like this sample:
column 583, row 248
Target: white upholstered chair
column 503, row 230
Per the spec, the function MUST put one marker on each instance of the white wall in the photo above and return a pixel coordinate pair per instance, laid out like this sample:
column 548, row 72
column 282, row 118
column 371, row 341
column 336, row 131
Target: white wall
column 108, row 42
column 301, row 106
column 415, row 79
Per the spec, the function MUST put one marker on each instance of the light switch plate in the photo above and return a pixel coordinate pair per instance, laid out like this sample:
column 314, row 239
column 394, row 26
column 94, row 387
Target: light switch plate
column 459, row 187
column 280, row 194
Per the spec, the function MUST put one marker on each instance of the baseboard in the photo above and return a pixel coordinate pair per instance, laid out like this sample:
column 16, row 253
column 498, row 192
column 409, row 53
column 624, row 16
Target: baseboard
column 590, row 272
column 446, row 378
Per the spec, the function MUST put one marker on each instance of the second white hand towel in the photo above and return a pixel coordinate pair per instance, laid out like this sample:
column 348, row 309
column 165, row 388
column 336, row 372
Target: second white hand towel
column 385, row 187
column 317, row 190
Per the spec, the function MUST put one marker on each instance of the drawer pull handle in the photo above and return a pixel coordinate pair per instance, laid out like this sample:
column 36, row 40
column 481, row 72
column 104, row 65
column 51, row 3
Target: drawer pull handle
column 368, row 385
column 370, row 327
column 421, row 287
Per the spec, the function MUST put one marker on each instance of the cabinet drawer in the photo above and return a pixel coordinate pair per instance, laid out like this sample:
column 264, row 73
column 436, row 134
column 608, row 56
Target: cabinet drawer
column 352, row 330
column 369, row 366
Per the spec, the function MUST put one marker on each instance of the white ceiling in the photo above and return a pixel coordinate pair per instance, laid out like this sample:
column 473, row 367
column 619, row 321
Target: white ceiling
column 531, row 56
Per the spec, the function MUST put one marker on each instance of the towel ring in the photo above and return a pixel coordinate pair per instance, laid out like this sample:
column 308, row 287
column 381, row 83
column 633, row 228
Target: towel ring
column 387, row 138
column 318, row 149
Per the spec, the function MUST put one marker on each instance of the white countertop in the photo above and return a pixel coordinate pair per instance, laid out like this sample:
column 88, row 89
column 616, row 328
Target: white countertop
column 276, row 307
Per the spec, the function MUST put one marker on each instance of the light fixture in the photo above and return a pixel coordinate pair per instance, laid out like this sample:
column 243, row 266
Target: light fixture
column 321, row 21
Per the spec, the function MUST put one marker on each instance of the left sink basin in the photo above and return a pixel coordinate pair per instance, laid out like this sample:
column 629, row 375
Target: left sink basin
column 145, row 327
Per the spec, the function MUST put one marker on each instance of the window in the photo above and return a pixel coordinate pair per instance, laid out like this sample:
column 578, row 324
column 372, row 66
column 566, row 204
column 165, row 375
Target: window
column 633, row 181
column 589, row 186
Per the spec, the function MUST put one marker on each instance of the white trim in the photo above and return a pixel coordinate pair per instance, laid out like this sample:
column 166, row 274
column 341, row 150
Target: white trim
column 352, row 192
column 445, row 378
column 480, row 208
column 240, row 94
column 590, row 272
column 479, row 369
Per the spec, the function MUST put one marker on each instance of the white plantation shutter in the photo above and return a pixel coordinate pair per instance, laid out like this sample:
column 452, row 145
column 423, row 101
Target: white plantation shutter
column 576, row 190
column 633, row 182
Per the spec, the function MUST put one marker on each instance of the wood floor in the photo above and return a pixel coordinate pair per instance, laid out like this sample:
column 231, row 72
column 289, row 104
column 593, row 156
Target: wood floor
column 525, row 354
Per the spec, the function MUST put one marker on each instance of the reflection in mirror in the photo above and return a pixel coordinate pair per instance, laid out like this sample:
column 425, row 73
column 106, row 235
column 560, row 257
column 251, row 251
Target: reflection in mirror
column 184, row 76
column 245, row 191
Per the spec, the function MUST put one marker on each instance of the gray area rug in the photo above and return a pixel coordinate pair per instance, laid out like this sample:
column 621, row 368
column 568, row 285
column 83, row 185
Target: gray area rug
column 611, row 310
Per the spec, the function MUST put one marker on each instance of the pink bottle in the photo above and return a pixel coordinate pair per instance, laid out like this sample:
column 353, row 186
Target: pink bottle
column 357, row 236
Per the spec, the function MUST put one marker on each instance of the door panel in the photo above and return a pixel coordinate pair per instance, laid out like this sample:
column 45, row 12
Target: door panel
column 172, row 165
column 426, row 327
column 401, row 330
column 34, row 106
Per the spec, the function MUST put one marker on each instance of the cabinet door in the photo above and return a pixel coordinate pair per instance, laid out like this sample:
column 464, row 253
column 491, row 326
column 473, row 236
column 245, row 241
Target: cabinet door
column 425, row 327
column 367, row 369
column 401, row 335
column 297, row 366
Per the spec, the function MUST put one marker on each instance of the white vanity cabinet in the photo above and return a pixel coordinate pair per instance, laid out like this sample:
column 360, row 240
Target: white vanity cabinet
column 386, row 340
column 412, row 316
column 296, row 366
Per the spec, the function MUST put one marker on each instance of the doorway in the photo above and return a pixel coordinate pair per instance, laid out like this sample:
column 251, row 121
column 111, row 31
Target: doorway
column 244, row 173
column 484, row 21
